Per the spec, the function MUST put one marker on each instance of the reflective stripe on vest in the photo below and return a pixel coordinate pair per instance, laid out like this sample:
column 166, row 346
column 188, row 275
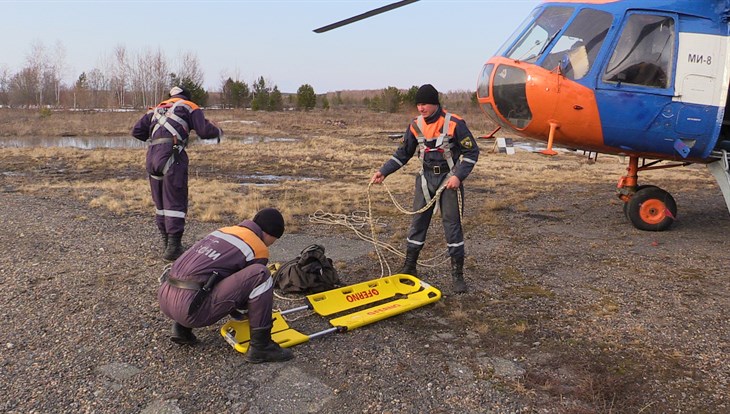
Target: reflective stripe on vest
column 249, row 244
column 245, row 240
column 443, row 145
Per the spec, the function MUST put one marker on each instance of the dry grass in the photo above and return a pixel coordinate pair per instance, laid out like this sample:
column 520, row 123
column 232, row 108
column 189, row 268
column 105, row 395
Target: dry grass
column 333, row 179
column 327, row 168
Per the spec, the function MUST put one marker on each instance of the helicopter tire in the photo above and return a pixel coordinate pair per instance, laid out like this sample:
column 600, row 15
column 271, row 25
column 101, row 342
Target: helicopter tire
column 626, row 204
column 652, row 209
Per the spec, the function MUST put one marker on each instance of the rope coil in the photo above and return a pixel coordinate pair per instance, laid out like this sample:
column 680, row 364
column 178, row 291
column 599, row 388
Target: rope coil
column 357, row 220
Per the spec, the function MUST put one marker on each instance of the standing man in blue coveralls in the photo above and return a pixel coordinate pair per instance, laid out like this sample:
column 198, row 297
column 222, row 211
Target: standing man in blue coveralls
column 448, row 152
column 167, row 128
column 224, row 274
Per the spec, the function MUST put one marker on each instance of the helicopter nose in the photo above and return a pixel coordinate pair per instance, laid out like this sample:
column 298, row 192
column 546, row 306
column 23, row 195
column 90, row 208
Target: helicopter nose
column 539, row 103
column 508, row 98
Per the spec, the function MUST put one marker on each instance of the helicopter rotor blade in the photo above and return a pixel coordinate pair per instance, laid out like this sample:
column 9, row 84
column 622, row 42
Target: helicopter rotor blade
column 364, row 15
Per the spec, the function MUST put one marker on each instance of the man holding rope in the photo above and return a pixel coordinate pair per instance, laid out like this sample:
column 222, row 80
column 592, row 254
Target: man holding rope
column 448, row 152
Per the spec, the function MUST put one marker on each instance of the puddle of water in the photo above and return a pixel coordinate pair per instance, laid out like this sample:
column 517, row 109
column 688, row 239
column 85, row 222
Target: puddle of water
column 253, row 139
column 260, row 184
column 90, row 143
column 244, row 122
column 269, row 177
column 71, row 142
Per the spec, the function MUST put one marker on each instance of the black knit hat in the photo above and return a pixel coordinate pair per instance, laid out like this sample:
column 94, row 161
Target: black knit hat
column 271, row 221
column 427, row 94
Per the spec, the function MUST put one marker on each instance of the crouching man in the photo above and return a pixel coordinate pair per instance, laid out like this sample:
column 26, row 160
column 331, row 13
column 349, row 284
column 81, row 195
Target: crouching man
column 223, row 274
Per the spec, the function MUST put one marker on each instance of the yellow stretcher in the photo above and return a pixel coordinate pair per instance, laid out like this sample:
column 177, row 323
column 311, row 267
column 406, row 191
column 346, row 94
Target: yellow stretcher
column 388, row 296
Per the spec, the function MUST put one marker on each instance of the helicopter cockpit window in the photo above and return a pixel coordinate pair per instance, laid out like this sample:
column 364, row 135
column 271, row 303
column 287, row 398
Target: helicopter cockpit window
column 644, row 53
column 534, row 41
column 577, row 48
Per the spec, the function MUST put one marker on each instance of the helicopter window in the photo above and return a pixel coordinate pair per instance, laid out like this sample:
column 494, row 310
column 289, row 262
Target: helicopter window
column 528, row 20
column 483, row 85
column 510, row 97
column 644, row 53
column 529, row 47
column 577, row 48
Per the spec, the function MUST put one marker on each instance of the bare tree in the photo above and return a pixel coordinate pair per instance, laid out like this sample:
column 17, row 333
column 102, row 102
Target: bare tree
column 190, row 68
column 23, row 88
column 56, row 70
column 36, row 64
column 160, row 75
column 48, row 69
column 138, row 77
column 97, row 85
column 142, row 83
column 149, row 77
column 4, row 85
column 120, row 71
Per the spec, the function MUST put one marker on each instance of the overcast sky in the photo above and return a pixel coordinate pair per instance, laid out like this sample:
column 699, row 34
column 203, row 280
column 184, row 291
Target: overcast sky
column 443, row 42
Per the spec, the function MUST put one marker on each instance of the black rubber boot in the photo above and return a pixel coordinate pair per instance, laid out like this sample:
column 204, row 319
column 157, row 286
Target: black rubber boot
column 263, row 349
column 409, row 266
column 174, row 247
column 163, row 238
column 182, row 335
column 457, row 274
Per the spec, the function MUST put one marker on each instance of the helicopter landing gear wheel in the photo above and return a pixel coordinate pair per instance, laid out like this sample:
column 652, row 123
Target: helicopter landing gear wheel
column 626, row 204
column 651, row 209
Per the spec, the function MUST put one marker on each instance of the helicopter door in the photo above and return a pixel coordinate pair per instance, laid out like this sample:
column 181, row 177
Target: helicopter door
column 635, row 89
column 644, row 53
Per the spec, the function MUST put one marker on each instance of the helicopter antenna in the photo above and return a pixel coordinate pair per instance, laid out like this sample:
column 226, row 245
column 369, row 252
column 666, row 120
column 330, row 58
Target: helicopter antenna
column 364, row 15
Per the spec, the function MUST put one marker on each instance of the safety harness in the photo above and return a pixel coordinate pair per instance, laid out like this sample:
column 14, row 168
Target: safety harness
column 246, row 242
column 443, row 145
column 161, row 117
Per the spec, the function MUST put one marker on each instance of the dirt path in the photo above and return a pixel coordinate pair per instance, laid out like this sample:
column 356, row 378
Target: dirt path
column 571, row 310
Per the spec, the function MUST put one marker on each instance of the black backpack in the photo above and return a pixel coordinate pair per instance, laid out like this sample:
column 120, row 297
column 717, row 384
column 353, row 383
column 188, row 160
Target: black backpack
column 310, row 272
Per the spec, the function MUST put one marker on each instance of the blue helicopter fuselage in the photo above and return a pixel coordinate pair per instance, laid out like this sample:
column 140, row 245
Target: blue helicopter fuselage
column 653, row 73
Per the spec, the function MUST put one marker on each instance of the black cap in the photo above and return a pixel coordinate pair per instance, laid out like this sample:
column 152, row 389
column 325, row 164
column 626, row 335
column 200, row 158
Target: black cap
column 427, row 94
column 271, row 221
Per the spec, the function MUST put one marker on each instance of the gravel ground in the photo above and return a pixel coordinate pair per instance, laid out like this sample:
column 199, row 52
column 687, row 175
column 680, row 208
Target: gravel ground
column 571, row 310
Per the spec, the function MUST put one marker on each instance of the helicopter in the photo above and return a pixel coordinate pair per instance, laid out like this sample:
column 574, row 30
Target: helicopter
column 646, row 80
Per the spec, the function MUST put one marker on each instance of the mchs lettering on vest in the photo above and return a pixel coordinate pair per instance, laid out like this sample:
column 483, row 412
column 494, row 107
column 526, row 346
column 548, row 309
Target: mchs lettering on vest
column 207, row 251
column 362, row 295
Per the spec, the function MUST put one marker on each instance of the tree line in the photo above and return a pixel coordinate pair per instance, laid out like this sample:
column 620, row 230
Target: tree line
column 142, row 79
